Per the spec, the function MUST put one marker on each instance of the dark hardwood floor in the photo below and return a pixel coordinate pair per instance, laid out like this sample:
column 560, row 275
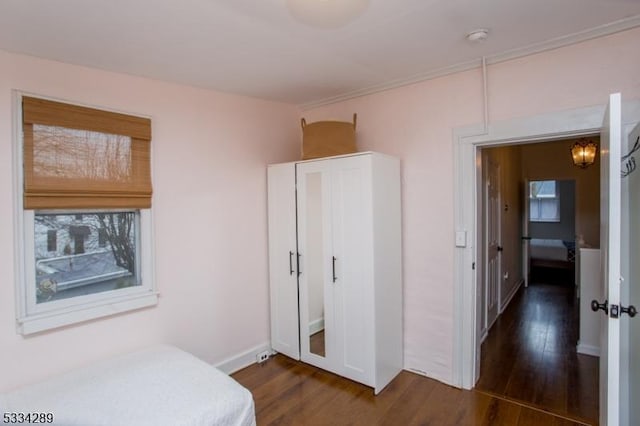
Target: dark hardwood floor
column 530, row 353
column 288, row 392
column 530, row 375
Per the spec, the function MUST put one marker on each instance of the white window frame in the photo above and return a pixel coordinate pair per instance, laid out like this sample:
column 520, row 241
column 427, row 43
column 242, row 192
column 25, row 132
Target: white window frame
column 555, row 197
column 33, row 318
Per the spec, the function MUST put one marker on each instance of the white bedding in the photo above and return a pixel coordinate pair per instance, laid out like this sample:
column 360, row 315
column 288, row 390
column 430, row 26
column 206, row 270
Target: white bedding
column 158, row 386
column 548, row 249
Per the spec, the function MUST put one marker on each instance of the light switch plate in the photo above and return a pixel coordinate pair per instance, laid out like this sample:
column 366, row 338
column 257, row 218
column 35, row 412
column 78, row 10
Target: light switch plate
column 461, row 238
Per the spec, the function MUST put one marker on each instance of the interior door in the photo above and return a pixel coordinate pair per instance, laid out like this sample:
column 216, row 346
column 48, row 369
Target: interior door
column 493, row 221
column 610, row 236
column 526, row 239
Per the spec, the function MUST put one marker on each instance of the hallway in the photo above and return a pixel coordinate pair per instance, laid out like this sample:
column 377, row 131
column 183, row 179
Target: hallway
column 530, row 354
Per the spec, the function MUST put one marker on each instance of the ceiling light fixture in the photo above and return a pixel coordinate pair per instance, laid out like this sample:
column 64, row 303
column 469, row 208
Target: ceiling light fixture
column 478, row 35
column 326, row 13
column 583, row 153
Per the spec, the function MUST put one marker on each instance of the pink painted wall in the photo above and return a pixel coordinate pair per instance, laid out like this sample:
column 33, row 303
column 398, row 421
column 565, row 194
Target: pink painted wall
column 210, row 152
column 416, row 123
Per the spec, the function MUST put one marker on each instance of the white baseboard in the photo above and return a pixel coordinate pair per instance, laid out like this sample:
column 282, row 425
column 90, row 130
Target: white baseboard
column 588, row 349
column 242, row 360
column 515, row 289
column 316, row 325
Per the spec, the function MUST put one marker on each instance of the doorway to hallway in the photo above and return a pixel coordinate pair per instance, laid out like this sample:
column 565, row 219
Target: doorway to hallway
column 530, row 354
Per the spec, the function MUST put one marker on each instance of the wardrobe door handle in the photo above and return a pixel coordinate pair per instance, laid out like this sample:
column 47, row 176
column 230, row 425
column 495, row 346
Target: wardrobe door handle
column 290, row 263
column 298, row 264
column 334, row 269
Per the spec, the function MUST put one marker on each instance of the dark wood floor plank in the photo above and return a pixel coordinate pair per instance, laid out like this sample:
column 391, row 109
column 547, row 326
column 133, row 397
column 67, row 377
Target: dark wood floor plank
column 530, row 354
column 530, row 375
column 532, row 417
column 303, row 400
column 501, row 413
column 370, row 409
column 289, row 392
column 457, row 407
column 551, row 392
column 264, row 372
column 339, row 399
column 408, row 402
column 268, row 391
column 442, row 407
column 583, row 380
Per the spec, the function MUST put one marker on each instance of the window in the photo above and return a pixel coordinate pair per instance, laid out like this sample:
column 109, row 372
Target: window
column 85, row 205
column 94, row 268
column 52, row 240
column 102, row 237
column 544, row 201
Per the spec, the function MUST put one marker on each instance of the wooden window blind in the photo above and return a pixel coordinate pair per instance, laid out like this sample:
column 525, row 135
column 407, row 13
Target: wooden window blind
column 78, row 157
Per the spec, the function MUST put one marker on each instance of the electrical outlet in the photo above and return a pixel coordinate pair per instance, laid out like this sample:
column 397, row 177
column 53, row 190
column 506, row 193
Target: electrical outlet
column 262, row 356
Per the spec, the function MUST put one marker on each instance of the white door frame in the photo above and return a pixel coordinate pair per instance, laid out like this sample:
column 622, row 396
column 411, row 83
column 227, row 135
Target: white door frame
column 526, row 238
column 467, row 142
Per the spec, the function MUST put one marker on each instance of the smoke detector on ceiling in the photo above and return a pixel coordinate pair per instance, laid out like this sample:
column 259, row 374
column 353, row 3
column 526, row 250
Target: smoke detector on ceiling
column 478, row 35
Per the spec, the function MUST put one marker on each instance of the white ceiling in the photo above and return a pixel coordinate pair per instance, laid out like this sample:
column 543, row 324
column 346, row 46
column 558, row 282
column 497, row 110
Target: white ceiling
column 256, row 48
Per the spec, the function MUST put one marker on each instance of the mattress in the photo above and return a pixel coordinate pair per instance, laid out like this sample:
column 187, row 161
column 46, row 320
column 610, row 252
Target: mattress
column 548, row 249
column 157, row 386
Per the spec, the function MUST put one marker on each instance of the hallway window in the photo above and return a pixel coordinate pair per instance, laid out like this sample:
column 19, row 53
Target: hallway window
column 544, row 201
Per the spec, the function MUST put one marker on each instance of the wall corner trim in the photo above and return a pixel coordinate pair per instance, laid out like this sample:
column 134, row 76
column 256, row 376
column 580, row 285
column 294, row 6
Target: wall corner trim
column 244, row 359
column 511, row 295
column 588, row 349
column 551, row 44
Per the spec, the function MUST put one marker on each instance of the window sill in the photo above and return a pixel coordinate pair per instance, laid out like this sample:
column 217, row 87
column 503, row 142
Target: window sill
column 79, row 313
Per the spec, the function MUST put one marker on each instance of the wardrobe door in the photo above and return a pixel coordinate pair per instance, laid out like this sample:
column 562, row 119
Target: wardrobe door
column 314, row 244
column 352, row 250
column 283, row 274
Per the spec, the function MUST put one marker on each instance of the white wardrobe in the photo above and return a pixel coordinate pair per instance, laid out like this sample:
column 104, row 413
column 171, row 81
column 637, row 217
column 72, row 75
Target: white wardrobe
column 335, row 265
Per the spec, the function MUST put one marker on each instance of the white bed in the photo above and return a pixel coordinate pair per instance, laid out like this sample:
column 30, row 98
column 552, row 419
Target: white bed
column 548, row 249
column 550, row 253
column 157, row 386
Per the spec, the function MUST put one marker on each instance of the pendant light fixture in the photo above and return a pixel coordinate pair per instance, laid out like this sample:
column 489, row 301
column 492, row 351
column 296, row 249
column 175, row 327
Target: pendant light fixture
column 584, row 153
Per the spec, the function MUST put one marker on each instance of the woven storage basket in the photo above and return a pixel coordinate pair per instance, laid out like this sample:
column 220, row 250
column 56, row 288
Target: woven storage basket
column 328, row 138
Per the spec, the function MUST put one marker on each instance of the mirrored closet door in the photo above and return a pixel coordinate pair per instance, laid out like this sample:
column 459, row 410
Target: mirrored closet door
column 315, row 248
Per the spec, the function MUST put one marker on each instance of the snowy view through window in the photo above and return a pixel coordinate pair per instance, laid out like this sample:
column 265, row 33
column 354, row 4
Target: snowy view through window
column 84, row 253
